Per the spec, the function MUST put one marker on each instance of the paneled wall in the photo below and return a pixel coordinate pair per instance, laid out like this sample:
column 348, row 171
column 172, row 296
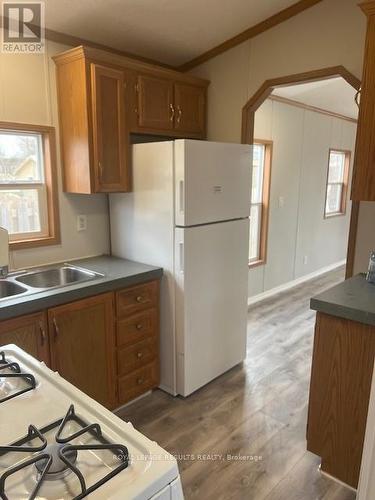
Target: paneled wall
column 28, row 95
column 330, row 33
column 300, row 240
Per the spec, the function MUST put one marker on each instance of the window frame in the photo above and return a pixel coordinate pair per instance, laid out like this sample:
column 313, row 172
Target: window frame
column 265, row 203
column 49, row 186
column 345, row 184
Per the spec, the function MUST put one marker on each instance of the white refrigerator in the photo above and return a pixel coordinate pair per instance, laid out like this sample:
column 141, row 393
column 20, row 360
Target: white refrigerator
column 189, row 214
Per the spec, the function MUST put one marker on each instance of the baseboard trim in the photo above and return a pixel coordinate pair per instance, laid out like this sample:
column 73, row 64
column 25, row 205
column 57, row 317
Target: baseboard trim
column 294, row 283
column 333, row 478
column 132, row 401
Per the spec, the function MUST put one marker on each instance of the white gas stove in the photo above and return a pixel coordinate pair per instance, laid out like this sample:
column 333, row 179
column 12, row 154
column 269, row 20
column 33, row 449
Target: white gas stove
column 57, row 443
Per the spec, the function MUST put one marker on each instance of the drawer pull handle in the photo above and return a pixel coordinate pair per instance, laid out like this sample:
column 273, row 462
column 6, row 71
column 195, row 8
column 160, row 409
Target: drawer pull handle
column 139, row 326
column 141, row 300
column 140, row 381
column 139, row 355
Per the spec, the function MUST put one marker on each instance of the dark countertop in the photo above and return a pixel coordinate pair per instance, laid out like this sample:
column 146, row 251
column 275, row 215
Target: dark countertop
column 352, row 299
column 119, row 273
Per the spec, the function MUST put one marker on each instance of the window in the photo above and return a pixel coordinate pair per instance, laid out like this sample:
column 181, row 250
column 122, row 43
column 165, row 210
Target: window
column 337, row 183
column 28, row 203
column 260, row 192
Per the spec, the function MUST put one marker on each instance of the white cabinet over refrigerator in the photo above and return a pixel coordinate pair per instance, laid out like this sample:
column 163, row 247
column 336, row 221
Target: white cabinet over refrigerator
column 189, row 213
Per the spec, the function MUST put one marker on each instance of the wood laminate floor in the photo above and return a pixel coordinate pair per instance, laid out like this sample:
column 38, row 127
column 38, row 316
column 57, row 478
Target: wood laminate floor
column 256, row 412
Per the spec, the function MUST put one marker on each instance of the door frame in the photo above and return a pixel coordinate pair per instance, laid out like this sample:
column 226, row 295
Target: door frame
column 265, row 90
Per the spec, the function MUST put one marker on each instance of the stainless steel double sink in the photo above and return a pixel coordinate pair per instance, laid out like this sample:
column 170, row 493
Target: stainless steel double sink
column 39, row 280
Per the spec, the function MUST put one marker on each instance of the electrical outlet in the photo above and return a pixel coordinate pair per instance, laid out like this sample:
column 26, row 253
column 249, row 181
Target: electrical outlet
column 305, row 259
column 81, row 222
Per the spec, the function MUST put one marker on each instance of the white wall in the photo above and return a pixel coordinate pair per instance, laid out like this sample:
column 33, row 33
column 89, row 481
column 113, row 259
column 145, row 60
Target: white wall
column 329, row 34
column 298, row 230
column 28, row 95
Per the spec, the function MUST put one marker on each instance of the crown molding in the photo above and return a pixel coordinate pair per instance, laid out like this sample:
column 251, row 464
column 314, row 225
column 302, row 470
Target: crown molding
column 251, row 32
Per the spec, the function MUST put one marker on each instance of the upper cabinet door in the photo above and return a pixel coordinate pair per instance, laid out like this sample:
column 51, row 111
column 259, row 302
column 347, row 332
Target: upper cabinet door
column 110, row 140
column 190, row 108
column 363, row 186
column 155, row 103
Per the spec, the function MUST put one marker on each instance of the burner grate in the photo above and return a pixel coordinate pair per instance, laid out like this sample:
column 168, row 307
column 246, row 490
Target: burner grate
column 67, row 453
column 16, row 373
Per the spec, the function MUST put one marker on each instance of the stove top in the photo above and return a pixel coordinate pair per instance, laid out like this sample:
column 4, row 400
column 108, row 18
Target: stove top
column 59, row 451
column 68, row 459
column 13, row 381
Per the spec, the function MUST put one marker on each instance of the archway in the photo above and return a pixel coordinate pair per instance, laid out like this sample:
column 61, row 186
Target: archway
column 248, row 118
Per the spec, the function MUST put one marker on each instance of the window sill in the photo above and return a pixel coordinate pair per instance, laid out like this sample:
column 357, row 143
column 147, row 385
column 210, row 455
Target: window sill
column 256, row 263
column 332, row 216
column 34, row 242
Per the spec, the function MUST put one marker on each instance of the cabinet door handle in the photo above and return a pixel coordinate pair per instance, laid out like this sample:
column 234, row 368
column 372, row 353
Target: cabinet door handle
column 100, row 169
column 140, row 381
column 357, row 97
column 139, row 355
column 179, row 113
column 141, row 300
column 172, row 112
column 42, row 334
column 139, row 326
column 56, row 328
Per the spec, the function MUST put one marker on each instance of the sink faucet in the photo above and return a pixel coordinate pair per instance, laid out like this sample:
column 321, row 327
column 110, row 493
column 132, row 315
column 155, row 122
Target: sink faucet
column 4, row 252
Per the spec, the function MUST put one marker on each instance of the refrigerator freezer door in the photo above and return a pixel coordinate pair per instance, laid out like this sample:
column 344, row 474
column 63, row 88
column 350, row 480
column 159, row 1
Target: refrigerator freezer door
column 211, row 273
column 212, row 181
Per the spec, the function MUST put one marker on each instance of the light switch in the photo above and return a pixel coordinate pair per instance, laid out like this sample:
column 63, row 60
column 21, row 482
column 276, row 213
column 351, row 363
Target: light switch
column 281, row 201
column 81, row 222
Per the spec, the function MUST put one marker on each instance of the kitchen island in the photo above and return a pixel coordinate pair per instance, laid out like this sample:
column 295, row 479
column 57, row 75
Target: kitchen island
column 341, row 375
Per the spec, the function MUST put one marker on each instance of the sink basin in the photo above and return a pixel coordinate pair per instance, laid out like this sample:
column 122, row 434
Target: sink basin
column 8, row 289
column 56, row 277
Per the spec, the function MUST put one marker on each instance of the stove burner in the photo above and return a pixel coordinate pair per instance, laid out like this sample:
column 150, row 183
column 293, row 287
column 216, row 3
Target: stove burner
column 57, row 466
column 14, row 372
column 60, row 457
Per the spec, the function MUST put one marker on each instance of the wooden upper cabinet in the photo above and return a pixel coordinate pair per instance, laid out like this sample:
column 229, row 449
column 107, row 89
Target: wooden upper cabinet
column 109, row 133
column 131, row 99
column 94, row 142
column 103, row 98
column 83, row 346
column 30, row 333
column 190, row 108
column 363, row 187
column 155, row 103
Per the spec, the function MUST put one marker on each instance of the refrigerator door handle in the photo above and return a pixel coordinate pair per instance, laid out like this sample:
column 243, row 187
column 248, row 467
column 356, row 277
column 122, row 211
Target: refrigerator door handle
column 181, row 196
column 181, row 257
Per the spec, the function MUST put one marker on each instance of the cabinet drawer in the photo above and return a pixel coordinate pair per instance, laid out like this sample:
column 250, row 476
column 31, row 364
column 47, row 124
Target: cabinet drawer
column 136, row 356
column 137, row 298
column 138, row 382
column 137, row 327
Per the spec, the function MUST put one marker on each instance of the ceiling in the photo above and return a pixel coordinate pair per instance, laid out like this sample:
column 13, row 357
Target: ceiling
column 334, row 95
column 170, row 31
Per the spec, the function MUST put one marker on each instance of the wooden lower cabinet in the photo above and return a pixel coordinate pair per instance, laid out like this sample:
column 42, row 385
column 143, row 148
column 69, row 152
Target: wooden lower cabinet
column 138, row 382
column 137, row 337
column 341, row 376
column 29, row 332
column 106, row 345
column 83, row 348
